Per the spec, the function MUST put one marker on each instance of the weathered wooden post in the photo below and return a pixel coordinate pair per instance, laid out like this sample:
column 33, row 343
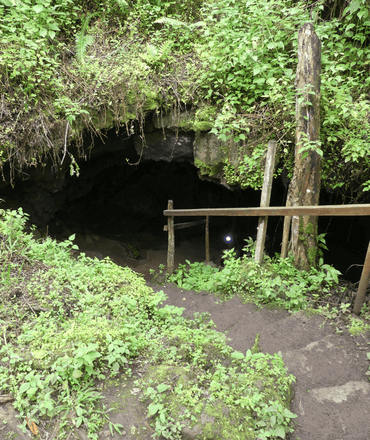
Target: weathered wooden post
column 364, row 282
column 304, row 189
column 207, row 240
column 286, row 231
column 265, row 200
column 171, row 240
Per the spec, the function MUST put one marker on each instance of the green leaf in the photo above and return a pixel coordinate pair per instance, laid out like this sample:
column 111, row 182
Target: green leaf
column 256, row 70
column 77, row 374
column 287, row 413
column 24, row 387
column 153, row 408
column 53, row 26
column 354, row 6
column 162, row 387
column 288, row 72
column 237, row 355
column 115, row 366
column 280, row 431
column 39, row 354
column 38, row 8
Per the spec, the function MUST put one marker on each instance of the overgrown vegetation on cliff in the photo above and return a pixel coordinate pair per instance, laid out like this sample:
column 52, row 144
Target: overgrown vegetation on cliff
column 70, row 325
column 68, row 66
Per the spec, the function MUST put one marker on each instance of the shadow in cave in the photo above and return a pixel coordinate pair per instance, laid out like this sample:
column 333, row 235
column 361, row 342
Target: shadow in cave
column 125, row 203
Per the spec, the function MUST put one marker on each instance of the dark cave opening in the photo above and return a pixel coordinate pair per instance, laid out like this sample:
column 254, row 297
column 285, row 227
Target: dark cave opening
column 127, row 201
column 119, row 197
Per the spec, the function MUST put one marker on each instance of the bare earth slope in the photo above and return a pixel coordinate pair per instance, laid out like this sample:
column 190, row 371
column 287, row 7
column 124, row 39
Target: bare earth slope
column 331, row 393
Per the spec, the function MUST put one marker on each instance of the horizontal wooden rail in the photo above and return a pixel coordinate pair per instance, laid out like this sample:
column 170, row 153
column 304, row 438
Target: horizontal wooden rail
column 185, row 225
column 323, row 210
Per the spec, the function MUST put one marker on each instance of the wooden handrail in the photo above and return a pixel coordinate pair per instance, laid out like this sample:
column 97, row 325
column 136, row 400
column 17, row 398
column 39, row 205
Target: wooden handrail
column 323, row 210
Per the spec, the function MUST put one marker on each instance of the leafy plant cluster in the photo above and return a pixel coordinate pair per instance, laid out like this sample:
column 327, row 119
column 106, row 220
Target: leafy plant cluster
column 249, row 59
column 217, row 384
column 69, row 66
column 70, row 323
column 276, row 282
column 61, row 334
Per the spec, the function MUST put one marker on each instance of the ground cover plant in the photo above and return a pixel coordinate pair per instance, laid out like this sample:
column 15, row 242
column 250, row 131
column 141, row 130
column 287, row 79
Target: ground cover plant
column 70, row 323
column 276, row 282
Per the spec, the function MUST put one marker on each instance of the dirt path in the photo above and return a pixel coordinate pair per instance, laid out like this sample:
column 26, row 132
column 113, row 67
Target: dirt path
column 331, row 393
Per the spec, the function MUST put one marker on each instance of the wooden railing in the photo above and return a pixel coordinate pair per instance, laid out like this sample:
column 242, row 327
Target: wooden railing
column 328, row 210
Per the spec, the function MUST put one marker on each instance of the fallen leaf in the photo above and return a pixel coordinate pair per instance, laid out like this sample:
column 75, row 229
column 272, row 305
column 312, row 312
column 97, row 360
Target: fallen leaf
column 32, row 426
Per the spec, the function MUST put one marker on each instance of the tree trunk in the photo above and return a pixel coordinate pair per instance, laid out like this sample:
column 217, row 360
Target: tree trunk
column 304, row 189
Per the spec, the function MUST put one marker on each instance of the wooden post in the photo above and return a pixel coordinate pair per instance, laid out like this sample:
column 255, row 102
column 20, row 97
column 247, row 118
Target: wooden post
column 171, row 240
column 304, row 189
column 207, row 239
column 286, row 231
column 265, row 200
column 364, row 282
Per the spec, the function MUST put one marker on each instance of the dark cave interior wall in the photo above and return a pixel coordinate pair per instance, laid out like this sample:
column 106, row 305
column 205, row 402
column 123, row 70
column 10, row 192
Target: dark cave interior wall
column 118, row 193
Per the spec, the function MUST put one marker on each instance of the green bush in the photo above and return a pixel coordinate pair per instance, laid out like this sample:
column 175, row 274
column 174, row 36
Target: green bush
column 276, row 282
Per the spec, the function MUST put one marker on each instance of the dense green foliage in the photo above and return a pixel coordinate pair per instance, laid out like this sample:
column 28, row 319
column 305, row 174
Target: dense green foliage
column 70, row 324
column 277, row 282
column 68, row 65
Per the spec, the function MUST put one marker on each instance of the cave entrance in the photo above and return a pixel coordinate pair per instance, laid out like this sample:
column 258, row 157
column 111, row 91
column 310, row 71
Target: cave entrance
column 124, row 204
column 116, row 209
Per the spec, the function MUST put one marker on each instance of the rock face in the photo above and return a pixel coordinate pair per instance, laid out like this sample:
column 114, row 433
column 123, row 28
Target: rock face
column 166, row 145
column 179, row 138
column 111, row 172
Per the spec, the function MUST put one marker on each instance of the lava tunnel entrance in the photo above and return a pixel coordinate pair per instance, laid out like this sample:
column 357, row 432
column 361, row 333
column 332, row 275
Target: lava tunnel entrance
column 126, row 202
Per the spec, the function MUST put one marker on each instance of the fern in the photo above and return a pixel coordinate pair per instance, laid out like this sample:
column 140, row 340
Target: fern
column 156, row 54
column 171, row 22
column 83, row 40
column 123, row 5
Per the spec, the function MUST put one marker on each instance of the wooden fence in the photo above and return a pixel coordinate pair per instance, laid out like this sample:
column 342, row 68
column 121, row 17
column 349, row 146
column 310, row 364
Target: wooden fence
column 329, row 210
